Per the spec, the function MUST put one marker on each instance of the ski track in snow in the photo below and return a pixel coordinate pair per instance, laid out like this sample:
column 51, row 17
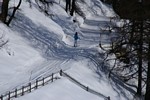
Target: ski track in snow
column 53, row 48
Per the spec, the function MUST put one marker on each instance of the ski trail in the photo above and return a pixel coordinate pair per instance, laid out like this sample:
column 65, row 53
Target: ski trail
column 51, row 46
column 54, row 50
column 91, row 30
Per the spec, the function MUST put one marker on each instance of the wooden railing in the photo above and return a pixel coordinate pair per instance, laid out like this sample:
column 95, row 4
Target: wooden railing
column 43, row 81
column 28, row 87
column 87, row 88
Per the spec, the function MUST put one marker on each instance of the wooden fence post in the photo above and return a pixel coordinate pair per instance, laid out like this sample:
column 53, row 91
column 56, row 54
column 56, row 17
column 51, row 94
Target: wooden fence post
column 87, row 88
column 52, row 77
column 43, row 81
column 30, row 87
column 22, row 90
column 60, row 72
column 16, row 92
column 36, row 85
column 1, row 97
column 108, row 98
column 9, row 95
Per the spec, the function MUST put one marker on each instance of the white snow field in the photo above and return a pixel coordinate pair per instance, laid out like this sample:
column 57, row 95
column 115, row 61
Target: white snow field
column 40, row 45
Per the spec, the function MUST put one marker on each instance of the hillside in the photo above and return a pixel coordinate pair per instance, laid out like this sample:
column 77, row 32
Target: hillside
column 40, row 45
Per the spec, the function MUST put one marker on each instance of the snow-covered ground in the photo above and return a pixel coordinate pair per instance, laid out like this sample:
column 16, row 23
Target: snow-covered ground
column 39, row 45
column 62, row 89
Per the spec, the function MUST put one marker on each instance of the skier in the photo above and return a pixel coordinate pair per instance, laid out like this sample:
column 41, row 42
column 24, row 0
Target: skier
column 75, row 39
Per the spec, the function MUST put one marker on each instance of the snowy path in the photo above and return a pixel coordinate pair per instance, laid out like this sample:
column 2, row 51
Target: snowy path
column 91, row 30
column 57, row 53
column 41, row 45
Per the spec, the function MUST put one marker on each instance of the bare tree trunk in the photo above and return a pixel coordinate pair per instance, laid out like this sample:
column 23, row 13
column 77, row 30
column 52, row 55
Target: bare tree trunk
column 73, row 7
column 140, row 53
column 68, row 5
column 147, row 95
column 13, row 14
column 4, row 10
column 114, row 2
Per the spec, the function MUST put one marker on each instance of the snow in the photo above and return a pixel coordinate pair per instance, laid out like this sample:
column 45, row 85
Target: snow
column 59, row 90
column 40, row 45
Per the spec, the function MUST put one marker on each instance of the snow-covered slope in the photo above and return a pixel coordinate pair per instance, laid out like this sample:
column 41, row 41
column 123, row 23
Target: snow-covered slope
column 62, row 89
column 40, row 45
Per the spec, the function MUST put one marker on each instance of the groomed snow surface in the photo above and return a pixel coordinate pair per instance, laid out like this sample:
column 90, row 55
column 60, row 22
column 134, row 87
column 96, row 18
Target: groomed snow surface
column 40, row 45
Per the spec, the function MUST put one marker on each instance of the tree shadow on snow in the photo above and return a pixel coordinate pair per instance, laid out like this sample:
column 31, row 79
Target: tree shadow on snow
column 98, row 59
column 51, row 47
column 47, row 42
column 41, row 38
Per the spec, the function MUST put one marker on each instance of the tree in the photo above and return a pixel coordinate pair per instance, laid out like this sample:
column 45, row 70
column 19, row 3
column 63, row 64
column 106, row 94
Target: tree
column 44, row 6
column 68, row 5
column 4, row 13
column 13, row 13
column 147, row 94
column 131, row 50
column 134, row 43
column 73, row 7
column 4, row 10
column 140, row 58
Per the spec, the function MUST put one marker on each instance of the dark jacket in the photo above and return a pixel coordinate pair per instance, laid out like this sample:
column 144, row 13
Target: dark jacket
column 76, row 36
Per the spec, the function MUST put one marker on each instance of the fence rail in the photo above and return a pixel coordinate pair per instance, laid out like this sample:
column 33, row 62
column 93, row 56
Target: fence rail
column 83, row 86
column 28, row 87
column 43, row 81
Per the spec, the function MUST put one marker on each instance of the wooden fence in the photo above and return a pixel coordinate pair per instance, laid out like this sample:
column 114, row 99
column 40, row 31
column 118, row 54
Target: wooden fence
column 28, row 87
column 83, row 86
column 43, row 81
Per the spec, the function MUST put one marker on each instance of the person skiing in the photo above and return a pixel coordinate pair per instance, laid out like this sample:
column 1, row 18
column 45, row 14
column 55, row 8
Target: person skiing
column 75, row 39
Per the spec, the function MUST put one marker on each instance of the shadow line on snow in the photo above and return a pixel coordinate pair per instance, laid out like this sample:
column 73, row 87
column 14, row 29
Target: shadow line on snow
column 51, row 46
